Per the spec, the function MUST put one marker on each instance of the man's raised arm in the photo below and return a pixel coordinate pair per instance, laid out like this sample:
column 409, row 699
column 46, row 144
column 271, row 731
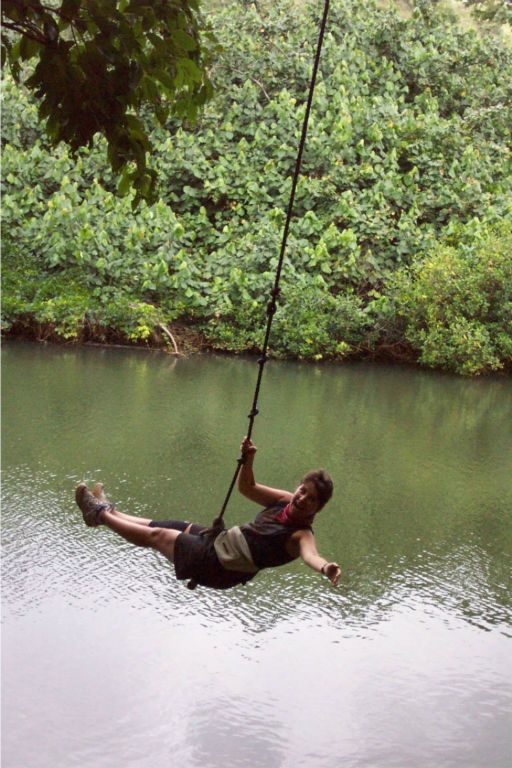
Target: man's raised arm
column 247, row 485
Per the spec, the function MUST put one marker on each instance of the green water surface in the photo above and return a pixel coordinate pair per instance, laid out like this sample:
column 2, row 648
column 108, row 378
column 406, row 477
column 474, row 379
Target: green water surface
column 109, row 661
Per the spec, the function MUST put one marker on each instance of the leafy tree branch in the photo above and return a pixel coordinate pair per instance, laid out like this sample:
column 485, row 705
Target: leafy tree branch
column 100, row 65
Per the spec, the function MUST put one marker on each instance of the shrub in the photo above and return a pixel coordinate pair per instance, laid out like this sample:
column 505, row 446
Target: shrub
column 59, row 305
column 456, row 305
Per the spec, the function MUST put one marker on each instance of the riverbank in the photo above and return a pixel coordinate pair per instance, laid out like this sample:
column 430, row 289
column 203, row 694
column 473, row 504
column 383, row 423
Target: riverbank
column 184, row 340
column 443, row 321
column 177, row 339
column 180, row 340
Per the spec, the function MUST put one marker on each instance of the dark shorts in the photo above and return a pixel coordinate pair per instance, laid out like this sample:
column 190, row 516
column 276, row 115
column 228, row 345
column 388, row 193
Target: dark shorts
column 195, row 558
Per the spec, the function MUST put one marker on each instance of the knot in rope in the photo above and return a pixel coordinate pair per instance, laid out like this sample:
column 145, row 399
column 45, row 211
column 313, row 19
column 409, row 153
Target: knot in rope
column 272, row 304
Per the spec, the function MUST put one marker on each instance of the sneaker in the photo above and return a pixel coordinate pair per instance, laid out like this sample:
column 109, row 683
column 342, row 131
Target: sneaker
column 90, row 505
column 98, row 491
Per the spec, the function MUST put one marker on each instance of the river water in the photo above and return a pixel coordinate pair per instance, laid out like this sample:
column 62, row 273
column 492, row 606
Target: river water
column 109, row 662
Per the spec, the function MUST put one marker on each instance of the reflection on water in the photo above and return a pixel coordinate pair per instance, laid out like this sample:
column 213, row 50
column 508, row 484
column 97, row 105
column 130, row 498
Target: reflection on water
column 108, row 661
column 236, row 725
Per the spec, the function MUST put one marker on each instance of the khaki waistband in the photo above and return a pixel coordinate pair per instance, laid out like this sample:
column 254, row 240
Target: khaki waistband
column 233, row 551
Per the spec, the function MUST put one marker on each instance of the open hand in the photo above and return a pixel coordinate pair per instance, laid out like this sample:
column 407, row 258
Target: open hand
column 333, row 573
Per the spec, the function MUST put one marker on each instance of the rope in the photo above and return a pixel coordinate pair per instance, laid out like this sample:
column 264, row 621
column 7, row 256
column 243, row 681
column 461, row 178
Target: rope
column 218, row 523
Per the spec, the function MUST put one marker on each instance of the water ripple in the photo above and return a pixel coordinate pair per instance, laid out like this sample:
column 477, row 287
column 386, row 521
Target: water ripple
column 48, row 551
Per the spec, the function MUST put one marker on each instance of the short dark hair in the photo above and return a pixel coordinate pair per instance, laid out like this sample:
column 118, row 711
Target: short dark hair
column 323, row 484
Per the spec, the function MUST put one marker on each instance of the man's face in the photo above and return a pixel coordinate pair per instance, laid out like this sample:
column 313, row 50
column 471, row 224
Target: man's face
column 305, row 500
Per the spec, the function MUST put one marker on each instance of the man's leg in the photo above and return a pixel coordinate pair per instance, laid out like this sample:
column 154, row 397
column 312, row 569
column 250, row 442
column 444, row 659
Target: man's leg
column 98, row 492
column 96, row 512
column 161, row 539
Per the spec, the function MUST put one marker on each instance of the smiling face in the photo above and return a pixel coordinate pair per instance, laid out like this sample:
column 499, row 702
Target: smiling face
column 305, row 502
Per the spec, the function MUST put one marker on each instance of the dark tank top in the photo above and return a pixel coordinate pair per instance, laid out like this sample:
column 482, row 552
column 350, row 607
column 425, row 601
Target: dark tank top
column 267, row 538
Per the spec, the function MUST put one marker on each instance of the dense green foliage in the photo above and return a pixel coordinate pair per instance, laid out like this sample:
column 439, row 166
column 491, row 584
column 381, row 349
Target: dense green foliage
column 101, row 64
column 499, row 11
column 406, row 177
column 457, row 304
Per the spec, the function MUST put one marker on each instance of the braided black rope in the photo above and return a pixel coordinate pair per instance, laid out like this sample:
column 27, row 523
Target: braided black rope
column 218, row 523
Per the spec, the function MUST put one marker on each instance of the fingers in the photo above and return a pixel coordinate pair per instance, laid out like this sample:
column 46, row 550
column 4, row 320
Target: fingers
column 334, row 573
column 248, row 446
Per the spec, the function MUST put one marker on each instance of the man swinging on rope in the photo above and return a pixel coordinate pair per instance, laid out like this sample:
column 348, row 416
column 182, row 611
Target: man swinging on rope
column 280, row 533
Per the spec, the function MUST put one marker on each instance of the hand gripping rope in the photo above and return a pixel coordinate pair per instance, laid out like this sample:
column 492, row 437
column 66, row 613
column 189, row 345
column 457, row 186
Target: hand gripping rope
column 218, row 523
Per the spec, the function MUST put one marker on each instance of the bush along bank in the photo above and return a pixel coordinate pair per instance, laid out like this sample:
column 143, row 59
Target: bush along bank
column 400, row 241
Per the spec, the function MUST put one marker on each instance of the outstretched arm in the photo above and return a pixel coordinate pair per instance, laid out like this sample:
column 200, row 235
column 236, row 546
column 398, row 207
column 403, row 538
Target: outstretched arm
column 248, row 486
column 311, row 557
